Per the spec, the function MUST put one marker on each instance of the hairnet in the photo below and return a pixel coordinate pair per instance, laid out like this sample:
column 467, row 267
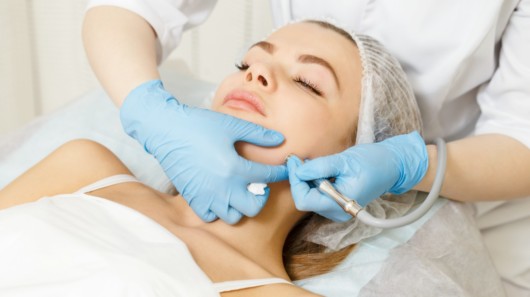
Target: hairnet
column 388, row 107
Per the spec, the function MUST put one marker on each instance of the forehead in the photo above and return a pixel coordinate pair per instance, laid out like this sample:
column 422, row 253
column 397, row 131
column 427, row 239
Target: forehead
column 313, row 39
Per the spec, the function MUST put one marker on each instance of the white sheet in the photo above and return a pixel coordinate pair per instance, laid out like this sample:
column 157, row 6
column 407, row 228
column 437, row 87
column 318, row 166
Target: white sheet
column 90, row 246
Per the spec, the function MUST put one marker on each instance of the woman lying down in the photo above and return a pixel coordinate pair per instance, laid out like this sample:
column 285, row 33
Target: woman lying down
column 79, row 224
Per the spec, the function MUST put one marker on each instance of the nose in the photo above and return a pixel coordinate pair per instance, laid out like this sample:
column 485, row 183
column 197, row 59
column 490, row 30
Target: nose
column 262, row 75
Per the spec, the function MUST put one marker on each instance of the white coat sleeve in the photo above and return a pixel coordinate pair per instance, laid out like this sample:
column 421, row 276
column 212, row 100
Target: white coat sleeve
column 505, row 100
column 169, row 18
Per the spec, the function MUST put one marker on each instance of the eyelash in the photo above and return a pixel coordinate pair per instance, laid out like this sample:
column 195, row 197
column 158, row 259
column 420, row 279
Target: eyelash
column 242, row 66
column 308, row 85
column 298, row 79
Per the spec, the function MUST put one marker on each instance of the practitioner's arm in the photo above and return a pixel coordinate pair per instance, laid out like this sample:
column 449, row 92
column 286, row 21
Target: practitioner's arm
column 484, row 167
column 129, row 56
column 69, row 168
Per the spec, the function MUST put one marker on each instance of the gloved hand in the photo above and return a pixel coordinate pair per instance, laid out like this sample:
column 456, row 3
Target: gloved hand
column 363, row 172
column 196, row 150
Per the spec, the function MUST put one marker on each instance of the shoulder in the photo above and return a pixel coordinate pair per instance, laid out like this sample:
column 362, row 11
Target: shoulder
column 70, row 167
column 91, row 157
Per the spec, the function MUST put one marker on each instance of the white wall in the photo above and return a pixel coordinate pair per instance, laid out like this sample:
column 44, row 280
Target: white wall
column 218, row 43
column 43, row 65
column 16, row 65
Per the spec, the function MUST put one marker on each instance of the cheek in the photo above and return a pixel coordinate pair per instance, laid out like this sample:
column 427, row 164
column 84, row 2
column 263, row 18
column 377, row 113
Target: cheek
column 304, row 128
column 217, row 99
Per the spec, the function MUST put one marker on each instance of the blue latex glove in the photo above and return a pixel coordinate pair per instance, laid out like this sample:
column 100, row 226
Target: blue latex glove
column 196, row 150
column 363, row 172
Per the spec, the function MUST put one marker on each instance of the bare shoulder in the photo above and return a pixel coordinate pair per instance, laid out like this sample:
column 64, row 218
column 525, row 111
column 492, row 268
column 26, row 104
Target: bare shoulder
column 90, row 156
column 70, row 167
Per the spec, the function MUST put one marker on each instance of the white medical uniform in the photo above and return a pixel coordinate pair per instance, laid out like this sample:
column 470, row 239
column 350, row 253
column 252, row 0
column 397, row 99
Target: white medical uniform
column 468, row 62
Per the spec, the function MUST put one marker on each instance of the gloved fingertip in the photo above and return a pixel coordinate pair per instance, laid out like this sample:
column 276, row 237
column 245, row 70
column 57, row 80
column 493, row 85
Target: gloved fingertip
column 209, row 217
column 292, row 166
column 293, row 160
column 273, row 136
column 260, row 201
column 233, row 216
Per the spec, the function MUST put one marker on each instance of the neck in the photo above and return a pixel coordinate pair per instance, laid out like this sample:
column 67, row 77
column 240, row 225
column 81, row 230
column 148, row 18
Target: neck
column 262, row 237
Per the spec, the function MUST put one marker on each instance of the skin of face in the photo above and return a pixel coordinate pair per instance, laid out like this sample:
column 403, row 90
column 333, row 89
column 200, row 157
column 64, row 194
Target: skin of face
column 281, row 86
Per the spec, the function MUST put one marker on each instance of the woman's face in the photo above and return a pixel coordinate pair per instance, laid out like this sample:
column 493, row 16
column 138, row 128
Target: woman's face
column 303, row 81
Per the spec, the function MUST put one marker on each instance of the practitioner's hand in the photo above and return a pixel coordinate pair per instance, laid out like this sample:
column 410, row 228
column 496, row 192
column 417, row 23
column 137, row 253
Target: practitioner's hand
column 363, row 172
column 196, row 150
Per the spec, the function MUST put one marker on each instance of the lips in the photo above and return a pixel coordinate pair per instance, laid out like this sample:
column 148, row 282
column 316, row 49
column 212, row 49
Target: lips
column 244, row 100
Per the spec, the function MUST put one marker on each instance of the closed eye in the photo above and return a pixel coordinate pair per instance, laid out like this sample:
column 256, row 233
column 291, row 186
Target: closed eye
column 308, row 85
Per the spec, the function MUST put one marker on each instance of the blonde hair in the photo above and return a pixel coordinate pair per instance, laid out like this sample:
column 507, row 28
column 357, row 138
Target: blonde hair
column 302, row 258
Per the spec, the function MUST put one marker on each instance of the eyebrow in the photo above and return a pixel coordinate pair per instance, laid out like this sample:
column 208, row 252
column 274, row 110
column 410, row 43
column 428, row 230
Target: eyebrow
column 264, row 45
column 308, row 59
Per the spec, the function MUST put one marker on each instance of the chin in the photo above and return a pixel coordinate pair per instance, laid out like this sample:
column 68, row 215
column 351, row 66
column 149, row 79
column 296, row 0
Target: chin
column 265, row 155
